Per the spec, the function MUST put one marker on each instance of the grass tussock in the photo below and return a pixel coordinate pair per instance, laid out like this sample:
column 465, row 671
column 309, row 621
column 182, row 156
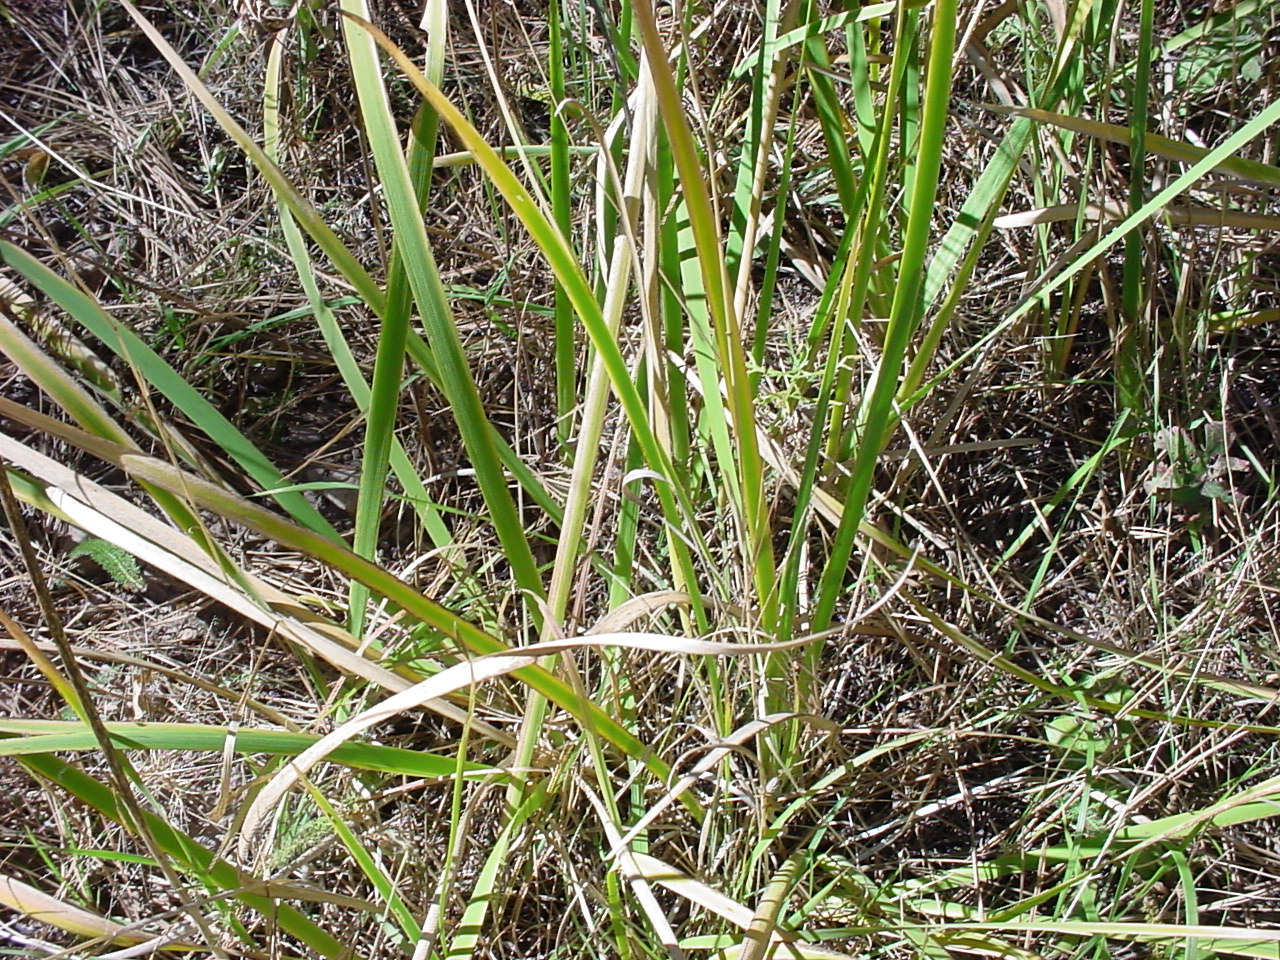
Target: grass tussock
column 542, row 478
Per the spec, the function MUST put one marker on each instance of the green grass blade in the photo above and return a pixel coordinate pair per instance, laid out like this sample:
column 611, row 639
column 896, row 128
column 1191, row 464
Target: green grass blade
column 456, row 379
column 447, row 623
column 905, row 313
column 153, row 370
column 325, row 238
column 739, row 454
column 563, row 262
column 1265, row 118
column 466, row 937
column 310, row 219
column 340, row 351
column 962, row 244
column 420, row 354
column 384, row 393
column 1239, row 168
column 31, row 737
column 369, row 866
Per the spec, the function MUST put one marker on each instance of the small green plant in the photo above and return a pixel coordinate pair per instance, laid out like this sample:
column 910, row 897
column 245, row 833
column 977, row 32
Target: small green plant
column 1192, row 473
column 115, row 561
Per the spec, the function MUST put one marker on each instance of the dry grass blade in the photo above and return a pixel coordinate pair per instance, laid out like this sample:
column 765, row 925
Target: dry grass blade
column 1246, row 171
column 714, row 756
column 266, row 711
column 38, row 656
column 103, row 514
column 43, row 908
column 628, row 867
column 700, row 894
column 627, row 613
column 468, row 674
column 1196, row 216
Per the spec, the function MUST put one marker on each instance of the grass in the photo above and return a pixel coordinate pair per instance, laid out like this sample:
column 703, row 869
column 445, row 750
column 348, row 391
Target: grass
column 813, row 480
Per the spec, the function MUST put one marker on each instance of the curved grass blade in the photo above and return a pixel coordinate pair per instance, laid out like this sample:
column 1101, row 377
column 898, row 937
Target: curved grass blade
column 470, row 673
column 44, row 908
column 470, row 637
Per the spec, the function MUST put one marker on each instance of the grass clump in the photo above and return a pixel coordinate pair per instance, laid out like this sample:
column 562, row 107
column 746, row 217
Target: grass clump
column 638, row 480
